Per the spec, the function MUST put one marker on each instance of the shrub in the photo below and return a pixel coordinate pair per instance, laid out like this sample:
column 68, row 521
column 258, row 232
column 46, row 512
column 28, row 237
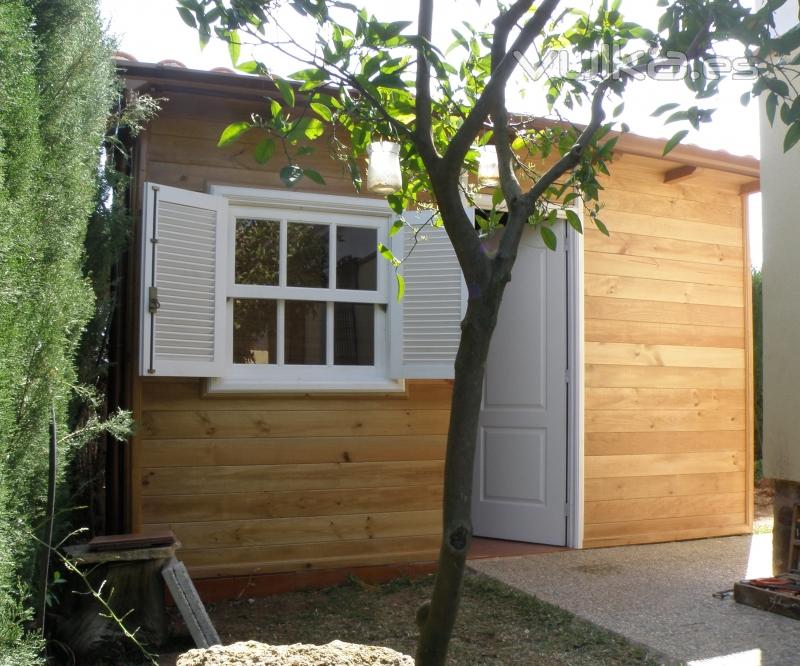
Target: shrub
column 55, row 92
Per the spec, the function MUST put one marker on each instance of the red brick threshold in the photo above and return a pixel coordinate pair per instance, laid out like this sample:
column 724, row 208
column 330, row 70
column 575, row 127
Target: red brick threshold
column 213, row 590
column 485, row 548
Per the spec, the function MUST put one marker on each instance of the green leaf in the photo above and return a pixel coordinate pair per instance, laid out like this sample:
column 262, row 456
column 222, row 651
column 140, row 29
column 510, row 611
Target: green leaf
column 792, row 137
column 314, row 129
column 664, row 108
column 290, row 174
column 777, row 86
column 772, row 106
column 618, row 110
column 286, row 90
column 264, row 150
column 602, row 227
column 316, row 176
column 745, row 99
column 674, row 141
column 548, row 237
column 396, row 226
column 574, row 221
column 233, row 132
column 322, row 111
column 188, row 17
column 234, row 46
column 401, row 286
column 386, row 253
column 249, row 67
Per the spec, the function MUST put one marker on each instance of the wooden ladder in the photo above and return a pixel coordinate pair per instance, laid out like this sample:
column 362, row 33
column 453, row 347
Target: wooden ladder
column 188, row 602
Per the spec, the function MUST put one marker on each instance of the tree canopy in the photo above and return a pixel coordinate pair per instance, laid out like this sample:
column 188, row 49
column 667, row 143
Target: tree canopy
column 361, row 79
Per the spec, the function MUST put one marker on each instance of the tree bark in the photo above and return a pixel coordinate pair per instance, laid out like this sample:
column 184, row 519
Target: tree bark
column 436, row 619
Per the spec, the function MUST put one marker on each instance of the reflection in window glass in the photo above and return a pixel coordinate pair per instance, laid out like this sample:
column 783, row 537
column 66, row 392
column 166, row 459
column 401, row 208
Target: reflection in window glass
column 305, row 331
column 353, row 334
column 254, row 330
column 307, row 255
column 356, row 262
column 257, row 251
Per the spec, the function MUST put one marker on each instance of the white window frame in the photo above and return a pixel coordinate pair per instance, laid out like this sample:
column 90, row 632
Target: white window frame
column 287, row 207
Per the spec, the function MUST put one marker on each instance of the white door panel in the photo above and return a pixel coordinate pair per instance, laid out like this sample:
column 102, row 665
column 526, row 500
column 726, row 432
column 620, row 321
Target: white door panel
column 521, row 462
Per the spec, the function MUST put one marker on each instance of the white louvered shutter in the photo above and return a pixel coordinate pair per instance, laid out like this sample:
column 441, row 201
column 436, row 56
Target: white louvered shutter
column 434, row 302
column 183, row 289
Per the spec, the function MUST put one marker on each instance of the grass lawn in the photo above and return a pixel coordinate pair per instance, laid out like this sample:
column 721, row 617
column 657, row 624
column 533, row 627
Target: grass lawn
column 496, row 624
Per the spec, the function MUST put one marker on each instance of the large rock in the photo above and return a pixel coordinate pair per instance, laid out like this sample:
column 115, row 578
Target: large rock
column 336, row 653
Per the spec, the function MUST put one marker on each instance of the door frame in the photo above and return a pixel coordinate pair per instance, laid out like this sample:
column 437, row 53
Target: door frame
column 575, row 383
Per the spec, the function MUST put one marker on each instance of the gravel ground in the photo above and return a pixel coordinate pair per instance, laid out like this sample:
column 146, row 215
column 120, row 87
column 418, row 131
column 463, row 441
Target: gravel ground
column 660, row 596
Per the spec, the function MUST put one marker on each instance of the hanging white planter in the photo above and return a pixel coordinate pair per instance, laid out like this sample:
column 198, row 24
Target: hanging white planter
column 383, row 173
column 488, row 169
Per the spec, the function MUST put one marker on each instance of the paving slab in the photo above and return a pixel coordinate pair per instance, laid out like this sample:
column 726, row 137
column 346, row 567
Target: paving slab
column 660, row 596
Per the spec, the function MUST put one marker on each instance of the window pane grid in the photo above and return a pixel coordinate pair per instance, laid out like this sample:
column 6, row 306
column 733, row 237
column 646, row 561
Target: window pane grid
column 310, row 301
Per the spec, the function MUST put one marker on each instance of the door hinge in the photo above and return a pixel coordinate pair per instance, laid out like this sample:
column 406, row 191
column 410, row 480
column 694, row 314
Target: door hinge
column 152, row 300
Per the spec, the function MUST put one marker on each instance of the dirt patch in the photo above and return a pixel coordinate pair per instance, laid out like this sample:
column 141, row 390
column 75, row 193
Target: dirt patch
column 496, row 626
column 251, row 653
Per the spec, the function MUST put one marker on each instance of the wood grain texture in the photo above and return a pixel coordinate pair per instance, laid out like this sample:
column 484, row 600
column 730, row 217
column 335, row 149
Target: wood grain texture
column 654, row 311
column 633, row 376
column 674, row 356
column 662, row 534
column 662, row 333
column 601, row 263
column 653, row 527
column 291, row 450
column 663, row 464
column 615, row 511
column 296, row 423
column 311, row 476
column 306, row 529
column 632, row 443
column 644, row 289
column 667, row 360
column 672, row 217
column 645, row 398
column 290, row 503
column 689, row 484
column 663, row 248
column 211, row 562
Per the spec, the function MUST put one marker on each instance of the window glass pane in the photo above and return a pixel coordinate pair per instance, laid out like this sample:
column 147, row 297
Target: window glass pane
column 307, row 255
column 257, row 245
column 254, row 330
column 354, row 334
column 356, row 262
column 305, row 332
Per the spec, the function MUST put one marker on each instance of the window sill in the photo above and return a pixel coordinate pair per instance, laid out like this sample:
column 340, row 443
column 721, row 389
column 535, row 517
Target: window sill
column 222, row 386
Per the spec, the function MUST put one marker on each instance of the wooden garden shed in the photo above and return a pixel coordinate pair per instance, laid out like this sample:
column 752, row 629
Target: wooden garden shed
column 292, row 415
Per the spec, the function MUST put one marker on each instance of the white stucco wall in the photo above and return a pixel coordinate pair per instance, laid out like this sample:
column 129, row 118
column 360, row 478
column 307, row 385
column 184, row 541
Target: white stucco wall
column 780, row 186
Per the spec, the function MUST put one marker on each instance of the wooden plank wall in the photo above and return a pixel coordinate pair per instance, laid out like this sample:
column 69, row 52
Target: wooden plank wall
column 668, row 422
column 263, row 484
column 267, row 484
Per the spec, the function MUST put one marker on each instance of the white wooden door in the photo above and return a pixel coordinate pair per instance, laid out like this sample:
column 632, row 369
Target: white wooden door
column 521, row 461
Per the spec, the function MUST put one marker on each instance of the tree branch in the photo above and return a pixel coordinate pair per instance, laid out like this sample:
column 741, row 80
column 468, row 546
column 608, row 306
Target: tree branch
column 424, row 124
column 466, row 134
column 503, row 25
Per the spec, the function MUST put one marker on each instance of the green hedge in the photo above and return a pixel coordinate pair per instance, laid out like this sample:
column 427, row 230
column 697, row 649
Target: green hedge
column 56, row 87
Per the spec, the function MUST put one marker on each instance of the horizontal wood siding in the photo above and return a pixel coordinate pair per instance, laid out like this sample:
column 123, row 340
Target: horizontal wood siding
column 278, row 483
column 667, row 423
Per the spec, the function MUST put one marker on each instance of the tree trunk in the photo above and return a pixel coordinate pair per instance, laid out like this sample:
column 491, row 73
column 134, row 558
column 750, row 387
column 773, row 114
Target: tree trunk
column 437, row 618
